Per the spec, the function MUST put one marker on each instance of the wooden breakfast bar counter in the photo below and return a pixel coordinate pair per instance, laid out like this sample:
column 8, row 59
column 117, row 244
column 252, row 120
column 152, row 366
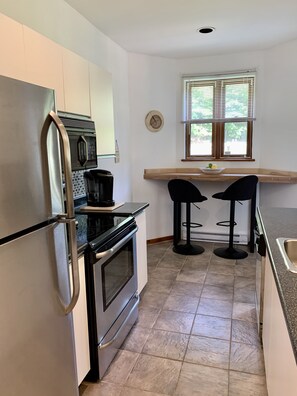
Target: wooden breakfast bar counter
column 227, row 175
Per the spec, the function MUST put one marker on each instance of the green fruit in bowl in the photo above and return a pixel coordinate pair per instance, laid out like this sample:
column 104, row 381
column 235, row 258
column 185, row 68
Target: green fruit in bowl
column 211, row 166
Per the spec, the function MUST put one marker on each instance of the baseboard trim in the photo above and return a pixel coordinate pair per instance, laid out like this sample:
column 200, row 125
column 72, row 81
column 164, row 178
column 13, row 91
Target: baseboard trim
column 158, row 240
column 218, row 237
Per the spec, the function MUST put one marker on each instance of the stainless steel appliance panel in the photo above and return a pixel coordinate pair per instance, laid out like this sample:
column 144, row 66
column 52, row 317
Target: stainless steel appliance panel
column 112, row 342
column 83, row 150
column 82, row 137
column 111, row 282
column 25, row 197
column 259, row 291
column 260, row 275
column 36, row 337
column 36, row 340
column 115, row 280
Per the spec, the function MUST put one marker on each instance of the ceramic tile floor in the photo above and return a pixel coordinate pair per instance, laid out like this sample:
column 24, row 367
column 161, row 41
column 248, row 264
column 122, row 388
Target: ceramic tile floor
column 196, row 333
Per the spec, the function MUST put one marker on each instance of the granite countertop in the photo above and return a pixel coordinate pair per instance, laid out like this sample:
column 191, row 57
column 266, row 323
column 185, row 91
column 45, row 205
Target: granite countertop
column 282, row 222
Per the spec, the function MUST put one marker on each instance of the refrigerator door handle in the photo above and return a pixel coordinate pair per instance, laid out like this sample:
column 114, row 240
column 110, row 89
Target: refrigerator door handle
column 66, row 158
column 69, row 217
column 74, row 261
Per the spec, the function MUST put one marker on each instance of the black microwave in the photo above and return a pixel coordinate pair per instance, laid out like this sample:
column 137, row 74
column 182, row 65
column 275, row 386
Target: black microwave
column 82, row 138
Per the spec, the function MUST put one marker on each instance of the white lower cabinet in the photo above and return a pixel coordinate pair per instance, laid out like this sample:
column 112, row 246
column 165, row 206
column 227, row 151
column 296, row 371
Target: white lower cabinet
column 280, row 364
column 141, row 250
column 80, row 324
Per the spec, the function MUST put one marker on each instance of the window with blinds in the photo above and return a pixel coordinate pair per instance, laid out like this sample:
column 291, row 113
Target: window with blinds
column 219, row 116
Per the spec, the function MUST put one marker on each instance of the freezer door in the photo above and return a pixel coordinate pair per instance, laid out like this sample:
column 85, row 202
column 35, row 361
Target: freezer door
column 25, row 196
column 36, row 337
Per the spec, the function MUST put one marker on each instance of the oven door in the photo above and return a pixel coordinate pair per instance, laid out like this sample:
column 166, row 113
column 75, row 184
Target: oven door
column 115, row 281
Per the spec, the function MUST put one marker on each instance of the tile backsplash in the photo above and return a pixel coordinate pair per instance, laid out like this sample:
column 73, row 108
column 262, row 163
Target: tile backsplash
column 78, row 184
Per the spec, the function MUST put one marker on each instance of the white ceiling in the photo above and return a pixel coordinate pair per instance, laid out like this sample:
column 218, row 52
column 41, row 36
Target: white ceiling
column 168, row 27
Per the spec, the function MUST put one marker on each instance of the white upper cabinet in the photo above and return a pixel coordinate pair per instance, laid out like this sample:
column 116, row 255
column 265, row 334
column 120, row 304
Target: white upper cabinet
column 44, row 64
column 12, row 62
column 101, row 96
column 76, row 83
column 80, row 87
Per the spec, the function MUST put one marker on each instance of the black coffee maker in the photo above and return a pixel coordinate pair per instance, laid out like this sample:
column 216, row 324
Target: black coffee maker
column 99, row 187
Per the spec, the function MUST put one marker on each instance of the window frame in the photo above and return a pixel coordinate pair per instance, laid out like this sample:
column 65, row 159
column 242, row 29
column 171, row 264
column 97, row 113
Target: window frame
column 218, row 121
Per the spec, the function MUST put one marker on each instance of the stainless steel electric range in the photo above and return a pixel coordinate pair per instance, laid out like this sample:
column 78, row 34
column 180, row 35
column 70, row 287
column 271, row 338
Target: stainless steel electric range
column 111, row 284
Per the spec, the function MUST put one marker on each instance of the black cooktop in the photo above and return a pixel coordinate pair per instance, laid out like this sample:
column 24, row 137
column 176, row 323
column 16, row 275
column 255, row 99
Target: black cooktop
column 94, row 229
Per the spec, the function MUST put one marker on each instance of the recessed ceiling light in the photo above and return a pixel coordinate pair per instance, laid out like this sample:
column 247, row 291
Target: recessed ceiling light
column 206, row 29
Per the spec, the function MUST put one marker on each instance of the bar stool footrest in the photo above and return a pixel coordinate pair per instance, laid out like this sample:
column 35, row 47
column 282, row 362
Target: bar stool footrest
column 188, row 249
column 192, row 225
column 230, row 253
column 225, row 223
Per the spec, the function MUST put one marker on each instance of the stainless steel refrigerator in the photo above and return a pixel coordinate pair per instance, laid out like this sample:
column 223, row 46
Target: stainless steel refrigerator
column 36, row 332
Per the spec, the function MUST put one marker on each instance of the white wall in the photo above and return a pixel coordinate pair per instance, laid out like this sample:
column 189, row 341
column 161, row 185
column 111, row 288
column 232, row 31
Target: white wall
column 62, row 24
column 279, row 138
column 152, row 85
column 155, row 83
column 275, row 138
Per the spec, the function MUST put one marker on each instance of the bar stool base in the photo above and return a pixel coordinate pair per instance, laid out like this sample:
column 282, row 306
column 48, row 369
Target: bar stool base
column 188, row 249
column 230, row 253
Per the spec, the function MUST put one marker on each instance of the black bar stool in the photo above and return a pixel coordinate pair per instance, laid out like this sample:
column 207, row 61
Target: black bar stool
column 183, row 191
column 243, row 189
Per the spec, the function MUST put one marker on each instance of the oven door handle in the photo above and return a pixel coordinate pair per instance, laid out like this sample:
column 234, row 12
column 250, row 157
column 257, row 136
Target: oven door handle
column 116, row 246
column 108, row 343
